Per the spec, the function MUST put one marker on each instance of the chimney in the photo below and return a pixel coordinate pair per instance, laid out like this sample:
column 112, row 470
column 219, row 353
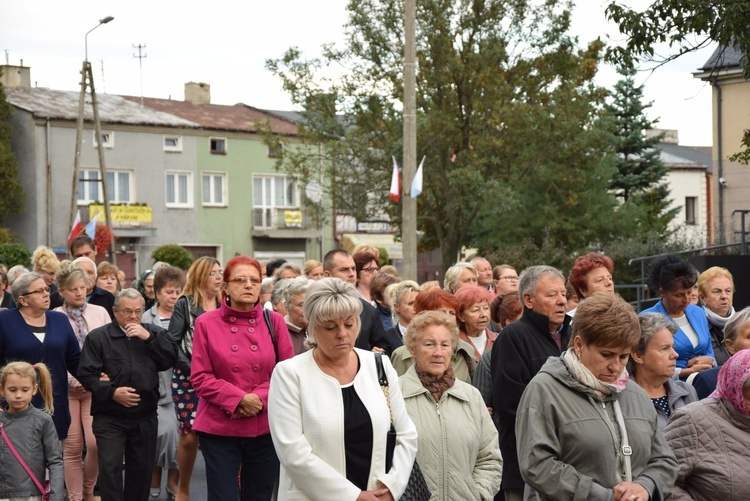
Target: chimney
column 15, row 76
column 197, row 93
column 670, row 135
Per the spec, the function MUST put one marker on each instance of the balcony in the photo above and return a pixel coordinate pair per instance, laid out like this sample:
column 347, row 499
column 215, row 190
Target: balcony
column 283, row 223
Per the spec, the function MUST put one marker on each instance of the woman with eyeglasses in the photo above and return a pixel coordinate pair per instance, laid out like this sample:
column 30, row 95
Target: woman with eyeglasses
column 235, row 350
column 31, row 333
column 367, row 267
column 201, row 294
column 80, row 473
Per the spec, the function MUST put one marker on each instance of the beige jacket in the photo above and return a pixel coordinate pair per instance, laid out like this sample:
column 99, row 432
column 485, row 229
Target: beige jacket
column 710, row 440
column 458, row 452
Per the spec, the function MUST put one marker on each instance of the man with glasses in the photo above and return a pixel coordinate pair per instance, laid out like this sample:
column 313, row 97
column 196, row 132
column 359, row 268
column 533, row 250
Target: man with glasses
column 120, row 364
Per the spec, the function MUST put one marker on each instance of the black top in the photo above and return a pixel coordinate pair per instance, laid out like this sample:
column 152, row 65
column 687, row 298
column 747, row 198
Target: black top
column 371, row 332
column 99, row 297
column 357, row 438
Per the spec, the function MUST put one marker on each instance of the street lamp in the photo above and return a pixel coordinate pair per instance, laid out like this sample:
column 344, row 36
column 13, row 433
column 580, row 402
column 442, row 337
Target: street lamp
column 86, row 38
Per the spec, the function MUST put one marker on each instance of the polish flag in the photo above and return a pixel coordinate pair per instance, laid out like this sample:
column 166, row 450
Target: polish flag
column 90, row 228
column 395, row 193
column 77, row 227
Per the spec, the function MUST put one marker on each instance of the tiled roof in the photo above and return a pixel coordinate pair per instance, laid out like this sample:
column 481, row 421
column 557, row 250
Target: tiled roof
column 723, row 58
column 113, row 109
column 675, row 155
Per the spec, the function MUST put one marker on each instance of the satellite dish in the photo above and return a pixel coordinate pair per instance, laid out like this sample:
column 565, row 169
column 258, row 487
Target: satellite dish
column 314, row 192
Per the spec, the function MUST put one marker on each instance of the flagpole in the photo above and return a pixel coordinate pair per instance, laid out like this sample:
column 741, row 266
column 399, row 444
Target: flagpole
column 409, row 205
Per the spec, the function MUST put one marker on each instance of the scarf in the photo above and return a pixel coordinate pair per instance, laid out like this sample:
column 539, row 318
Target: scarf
column 718, row 320
column 436, row 385
column 583, row 375
column 731, row 379
column 80, row 327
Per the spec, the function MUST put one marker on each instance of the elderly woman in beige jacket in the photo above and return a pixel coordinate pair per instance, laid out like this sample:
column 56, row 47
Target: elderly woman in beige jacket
column 458, row 451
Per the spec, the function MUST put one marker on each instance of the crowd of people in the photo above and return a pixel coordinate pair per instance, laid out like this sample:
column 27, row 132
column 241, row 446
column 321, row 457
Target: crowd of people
column 340, row 380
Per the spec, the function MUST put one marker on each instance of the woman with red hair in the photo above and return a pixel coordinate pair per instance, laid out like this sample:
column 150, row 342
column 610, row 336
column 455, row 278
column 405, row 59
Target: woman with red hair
column 235, row 349
column 463, row 362
column 473, row 317
column 591, row 273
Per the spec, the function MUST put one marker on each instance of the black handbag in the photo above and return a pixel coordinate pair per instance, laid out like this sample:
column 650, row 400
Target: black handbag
column 416, row 488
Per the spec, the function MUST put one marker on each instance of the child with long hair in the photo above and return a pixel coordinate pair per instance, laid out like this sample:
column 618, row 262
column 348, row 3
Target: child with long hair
column 30, row 431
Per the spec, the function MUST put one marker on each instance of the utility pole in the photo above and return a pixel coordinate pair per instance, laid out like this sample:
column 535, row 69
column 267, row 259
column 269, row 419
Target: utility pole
column 140, row 57
column 87, row 82
column 409, row 204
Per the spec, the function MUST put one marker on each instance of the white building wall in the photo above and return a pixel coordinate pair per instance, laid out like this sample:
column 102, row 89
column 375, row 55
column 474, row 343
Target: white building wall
column 683, row 184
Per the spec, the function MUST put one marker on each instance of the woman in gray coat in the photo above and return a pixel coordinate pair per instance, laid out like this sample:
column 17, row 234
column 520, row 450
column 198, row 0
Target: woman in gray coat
column 652, row 367
column 584, row 430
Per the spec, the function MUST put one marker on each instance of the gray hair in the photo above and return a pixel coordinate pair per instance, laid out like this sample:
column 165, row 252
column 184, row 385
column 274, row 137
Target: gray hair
column 16, row 271
column 286, row 266
column 266, row 285
column 21, row 284
column 397, row 291
column 295, row 287
column 531, row 276
column 277, row 293
column 128, row 294
column 732, row 328
column 329, row 299
column 453, row 273
column 651, row 323
column 84, row 259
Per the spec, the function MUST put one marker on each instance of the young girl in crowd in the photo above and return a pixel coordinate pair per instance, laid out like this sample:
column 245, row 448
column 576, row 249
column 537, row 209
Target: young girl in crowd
column 26, row 427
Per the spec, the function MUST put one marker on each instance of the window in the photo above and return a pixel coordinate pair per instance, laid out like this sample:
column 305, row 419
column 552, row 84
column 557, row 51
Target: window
column 276, row 150
column 218, row 145
column 119, row 186
column 269, row 193
column 108, row 139
column 179, row 187
column 691, row 210
column 172, row 143
column 214, row 189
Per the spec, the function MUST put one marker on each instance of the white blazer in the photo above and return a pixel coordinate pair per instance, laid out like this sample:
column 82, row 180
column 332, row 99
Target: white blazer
column 306, row 415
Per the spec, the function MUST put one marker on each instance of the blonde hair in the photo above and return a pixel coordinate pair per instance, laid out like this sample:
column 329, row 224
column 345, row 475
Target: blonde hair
column 309, row 265
column 69, row 273
column 45, row 260
column 38, row 373
column 328, row 299
column 710, row 274
column 197, row 278
column 396, row 291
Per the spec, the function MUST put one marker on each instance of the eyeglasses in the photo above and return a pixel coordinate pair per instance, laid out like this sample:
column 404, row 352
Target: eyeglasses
column 216, row 272
column 43, row 290
column 241, row 280
column 130, row 313
column 510, row 278
column 371, row 269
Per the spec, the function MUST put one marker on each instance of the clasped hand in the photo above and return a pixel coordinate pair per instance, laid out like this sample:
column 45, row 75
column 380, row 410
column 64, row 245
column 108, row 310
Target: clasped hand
column 250, row 405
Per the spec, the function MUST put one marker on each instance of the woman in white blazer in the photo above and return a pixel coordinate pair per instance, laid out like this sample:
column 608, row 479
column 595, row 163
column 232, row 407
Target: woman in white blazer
column 329, row 418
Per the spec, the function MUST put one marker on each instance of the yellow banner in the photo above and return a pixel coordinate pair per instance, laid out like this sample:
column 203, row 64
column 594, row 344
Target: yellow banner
column 123, row 215
column 293, row 218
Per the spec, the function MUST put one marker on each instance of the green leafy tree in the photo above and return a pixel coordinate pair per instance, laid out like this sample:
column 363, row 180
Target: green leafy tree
column 639, row 178
column 684, row 25
column 12, row 201
column 173, row 254
column 13, row 254
column 489, row 73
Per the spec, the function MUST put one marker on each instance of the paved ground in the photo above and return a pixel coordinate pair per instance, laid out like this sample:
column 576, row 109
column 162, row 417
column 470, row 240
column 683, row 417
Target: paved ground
column 198, row 490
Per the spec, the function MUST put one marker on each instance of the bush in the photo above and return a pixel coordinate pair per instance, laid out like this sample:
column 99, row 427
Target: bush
column 7, row 236
column 13, row 254
column 173, row 254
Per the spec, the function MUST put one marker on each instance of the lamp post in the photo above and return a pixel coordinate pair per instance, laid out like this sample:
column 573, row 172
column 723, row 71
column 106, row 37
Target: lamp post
column 87, row 82
column 86, row 37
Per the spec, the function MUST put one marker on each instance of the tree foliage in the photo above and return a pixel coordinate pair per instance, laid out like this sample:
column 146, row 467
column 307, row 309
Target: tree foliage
column 684, row 25
column 507, row 116
column 173, row 254
column 12, row 201
column 639, row 178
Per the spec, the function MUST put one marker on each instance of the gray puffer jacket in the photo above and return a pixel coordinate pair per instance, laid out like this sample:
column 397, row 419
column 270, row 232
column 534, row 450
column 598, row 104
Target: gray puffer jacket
column 711, row 442
column 569, row 443
column 679, row 394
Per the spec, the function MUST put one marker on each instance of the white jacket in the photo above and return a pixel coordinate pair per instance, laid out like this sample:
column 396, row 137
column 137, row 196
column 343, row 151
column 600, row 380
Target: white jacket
column 306, row 415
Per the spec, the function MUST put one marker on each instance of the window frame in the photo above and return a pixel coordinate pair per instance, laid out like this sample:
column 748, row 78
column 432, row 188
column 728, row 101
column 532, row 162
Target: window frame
column 268, row 209
column 218, row 152
column 691, row 211
column 177, row 148
column 187, row 204
column 109, row 143
column 224, row 188
column 113, row 186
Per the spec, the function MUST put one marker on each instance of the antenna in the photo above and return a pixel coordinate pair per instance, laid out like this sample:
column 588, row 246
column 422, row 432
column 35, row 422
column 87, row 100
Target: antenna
column 141, row 55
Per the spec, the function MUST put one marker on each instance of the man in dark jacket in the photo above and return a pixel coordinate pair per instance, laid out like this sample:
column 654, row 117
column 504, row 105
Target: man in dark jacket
column 119, row 365
column 519, row 353
column 340, row 264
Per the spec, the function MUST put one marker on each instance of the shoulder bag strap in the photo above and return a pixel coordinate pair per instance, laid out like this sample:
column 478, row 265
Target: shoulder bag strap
column 383, row 380
column 269, row 323
column 626, row 450
column 21, row 461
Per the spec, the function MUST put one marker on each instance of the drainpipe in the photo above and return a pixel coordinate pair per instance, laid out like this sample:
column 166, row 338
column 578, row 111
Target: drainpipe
column 49, row 184
column 720, row 155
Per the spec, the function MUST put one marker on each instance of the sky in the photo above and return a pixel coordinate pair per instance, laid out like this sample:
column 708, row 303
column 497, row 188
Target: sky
column 226, row 43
